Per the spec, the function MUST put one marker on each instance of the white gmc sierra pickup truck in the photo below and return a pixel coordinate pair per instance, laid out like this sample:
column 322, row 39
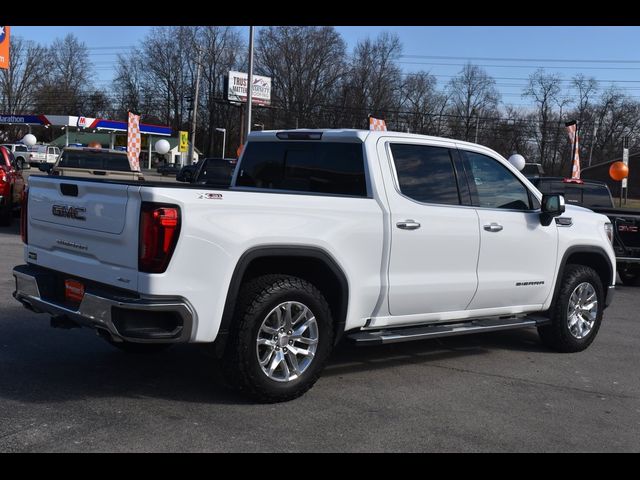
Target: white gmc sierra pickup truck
column 377, row 236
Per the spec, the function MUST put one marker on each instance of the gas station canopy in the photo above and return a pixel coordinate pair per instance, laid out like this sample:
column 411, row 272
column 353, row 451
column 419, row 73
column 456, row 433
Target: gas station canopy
column 81, row 122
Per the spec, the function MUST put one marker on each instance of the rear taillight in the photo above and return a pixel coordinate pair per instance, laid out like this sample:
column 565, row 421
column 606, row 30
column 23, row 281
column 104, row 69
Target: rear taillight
column 24, row 215
column 159, row 230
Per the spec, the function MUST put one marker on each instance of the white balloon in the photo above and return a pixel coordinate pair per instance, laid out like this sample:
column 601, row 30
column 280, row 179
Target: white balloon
column 29, row 140
column 517, row 161
column 162, row 146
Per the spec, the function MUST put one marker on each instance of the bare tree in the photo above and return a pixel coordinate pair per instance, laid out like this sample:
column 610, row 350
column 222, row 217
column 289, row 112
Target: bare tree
column 546, row 92
column 473, row 95
column 19, row 83
column 223, row 50
column 305, row 64
column 68, row 78
column 422, row 103
column 373, row 80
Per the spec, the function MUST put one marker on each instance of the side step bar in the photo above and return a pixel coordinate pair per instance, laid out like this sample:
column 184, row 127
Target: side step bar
column 408, row 334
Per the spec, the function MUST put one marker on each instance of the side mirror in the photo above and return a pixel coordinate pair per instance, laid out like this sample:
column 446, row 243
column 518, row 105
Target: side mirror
column 45, row 167
column 180, row 178
column 552, row 206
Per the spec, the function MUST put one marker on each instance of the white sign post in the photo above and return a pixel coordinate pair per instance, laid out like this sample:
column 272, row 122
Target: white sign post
column 237, row 89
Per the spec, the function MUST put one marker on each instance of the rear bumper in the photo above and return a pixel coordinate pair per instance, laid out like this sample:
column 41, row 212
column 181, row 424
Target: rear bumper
column 127, row 318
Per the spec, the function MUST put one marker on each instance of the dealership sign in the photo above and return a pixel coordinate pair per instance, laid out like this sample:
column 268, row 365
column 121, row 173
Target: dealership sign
column 237, row 88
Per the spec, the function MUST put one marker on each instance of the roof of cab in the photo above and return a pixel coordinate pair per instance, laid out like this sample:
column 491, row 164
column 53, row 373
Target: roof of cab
column 355, row 135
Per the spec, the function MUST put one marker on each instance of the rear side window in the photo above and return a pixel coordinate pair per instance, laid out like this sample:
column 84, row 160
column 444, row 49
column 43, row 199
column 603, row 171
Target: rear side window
column 596, row 196
column 94, row 160
column 425, row 173
column 317, row 167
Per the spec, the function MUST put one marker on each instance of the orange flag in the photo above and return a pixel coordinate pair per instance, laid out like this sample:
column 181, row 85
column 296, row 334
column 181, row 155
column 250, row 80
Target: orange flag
column 4, row 46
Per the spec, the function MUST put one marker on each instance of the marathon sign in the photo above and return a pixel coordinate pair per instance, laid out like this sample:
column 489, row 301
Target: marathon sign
column 237, row 88
column 24, row 119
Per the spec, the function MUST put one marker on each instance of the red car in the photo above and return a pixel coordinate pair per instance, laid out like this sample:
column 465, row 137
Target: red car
column 11, row 185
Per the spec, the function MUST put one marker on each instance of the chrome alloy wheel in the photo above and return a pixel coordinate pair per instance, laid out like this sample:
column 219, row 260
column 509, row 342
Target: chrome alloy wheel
column 582, row 310
column 287, row 341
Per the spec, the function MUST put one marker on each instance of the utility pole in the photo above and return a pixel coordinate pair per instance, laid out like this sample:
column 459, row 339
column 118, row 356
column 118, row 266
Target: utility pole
column 249, row 84
column 593, row 140
column 192, row 144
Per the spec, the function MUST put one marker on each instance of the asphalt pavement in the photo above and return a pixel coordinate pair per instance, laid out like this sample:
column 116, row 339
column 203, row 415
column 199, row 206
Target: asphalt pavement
column 69, row 391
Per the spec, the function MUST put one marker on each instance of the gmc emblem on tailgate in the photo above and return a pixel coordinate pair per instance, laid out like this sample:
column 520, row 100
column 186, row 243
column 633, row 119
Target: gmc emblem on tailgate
column 69, row 211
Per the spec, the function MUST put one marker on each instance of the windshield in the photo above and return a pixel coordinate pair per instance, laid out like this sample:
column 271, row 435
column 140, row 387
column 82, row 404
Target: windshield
column 94, row 160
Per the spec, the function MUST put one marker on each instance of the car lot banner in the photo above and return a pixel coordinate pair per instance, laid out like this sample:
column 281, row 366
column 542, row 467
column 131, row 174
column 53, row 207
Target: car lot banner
column 572, row 130
column 134, row 143
column 377, row 124
column 4, row 46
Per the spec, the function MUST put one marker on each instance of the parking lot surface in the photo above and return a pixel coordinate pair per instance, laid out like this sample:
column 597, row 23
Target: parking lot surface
column 68, row 390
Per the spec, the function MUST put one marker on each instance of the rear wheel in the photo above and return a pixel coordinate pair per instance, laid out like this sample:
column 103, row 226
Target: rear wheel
column 577, row 314
column 282, row 337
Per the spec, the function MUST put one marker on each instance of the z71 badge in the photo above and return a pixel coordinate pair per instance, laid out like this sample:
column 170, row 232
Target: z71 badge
column 209, row 196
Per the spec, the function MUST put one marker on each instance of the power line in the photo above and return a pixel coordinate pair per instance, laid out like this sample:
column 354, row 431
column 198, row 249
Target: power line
column 508, row 59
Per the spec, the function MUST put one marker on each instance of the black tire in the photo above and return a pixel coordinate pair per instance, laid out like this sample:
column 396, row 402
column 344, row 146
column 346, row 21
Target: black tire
column 240, row 360
column 630, row 276
column 557, row 334
column 6, row 212
column 140, row 348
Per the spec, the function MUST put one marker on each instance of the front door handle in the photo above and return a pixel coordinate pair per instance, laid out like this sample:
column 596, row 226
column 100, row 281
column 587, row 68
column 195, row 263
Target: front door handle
column 493, row 227
column 408, row 225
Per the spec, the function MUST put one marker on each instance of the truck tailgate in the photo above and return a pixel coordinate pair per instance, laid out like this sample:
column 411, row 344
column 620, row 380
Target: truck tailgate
column 85, row 228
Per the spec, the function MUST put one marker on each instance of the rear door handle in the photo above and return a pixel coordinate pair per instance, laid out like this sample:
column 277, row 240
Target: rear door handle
column 408, row 225
column 493, row 227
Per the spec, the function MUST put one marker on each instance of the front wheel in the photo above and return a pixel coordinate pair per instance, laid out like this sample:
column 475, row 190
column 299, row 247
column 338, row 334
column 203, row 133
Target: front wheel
column 281, row 338
column 577, row 314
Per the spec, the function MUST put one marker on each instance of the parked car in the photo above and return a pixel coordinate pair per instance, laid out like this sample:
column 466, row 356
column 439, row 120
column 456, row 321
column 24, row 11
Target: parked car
column 11, row 185
column 377, row 236
column 596, row 196
column 93, row 162
column 186, row 173
column 39, row 154
column 20, row 152
column 210, row 171
column 169, row 169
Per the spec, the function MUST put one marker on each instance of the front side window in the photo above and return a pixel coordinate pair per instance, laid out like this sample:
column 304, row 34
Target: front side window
column 495, row 185
column 314, row 167
column 426, row 173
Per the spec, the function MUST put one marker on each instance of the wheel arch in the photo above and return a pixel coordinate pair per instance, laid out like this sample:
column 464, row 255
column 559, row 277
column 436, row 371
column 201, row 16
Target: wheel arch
column 310, row 263
column 590, row 256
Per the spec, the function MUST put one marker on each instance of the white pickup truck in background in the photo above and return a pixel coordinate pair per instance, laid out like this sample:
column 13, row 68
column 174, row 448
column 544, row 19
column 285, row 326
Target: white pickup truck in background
column 377, row 236
column 39, row 154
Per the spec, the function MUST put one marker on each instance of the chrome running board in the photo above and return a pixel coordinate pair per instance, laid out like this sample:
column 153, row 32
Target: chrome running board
column 408, row 334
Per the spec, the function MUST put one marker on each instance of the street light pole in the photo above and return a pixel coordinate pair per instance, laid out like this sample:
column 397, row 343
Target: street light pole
column 249, row 84
column 224, row 137
column 194, row 118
